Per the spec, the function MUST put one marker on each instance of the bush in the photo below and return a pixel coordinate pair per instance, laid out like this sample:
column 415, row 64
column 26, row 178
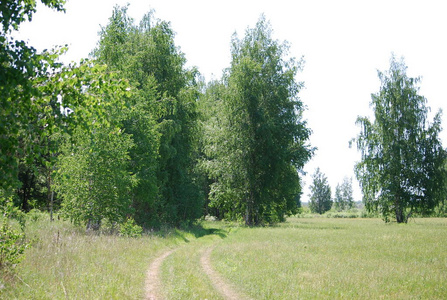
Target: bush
column 34, row 215
column 366, row 214
column 130, row 229
column 353, row 210
column 12, row 245
column 8, row 210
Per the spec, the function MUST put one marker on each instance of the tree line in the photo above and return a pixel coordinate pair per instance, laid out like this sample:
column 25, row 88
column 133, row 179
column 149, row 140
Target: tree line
column 134, row 134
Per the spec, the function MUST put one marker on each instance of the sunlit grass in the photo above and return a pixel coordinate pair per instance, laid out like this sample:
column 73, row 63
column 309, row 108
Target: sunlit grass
column 305, row 258
column 182, row 272
column 66, row 263
column 333, row 258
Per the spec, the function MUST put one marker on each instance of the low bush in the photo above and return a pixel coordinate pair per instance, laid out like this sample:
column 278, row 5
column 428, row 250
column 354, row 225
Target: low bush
column 342, row 215
column 130, row 229
column 12, row 241
column 12, row 245
column 34, row 215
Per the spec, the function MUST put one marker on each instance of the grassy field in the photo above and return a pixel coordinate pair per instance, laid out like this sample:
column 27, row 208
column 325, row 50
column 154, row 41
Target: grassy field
column 338, row 258
column 304, row 258
column 66, row 263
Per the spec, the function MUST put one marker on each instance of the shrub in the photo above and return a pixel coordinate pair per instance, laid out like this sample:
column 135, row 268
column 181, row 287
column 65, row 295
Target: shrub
column 34, row 215
column 130, row 229
column 366, row 214
column 10, row 211
column 12, row 245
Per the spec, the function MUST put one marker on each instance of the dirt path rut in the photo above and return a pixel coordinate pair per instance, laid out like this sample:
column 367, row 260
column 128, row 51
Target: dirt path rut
column 153, row 281
column 154, row 285
column 224, row 288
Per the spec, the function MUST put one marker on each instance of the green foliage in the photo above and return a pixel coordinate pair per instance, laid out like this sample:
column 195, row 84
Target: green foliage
column 25, row 114
column 257, row 140
column 12, row 245
column 32, row 192
column 41, row 99
column 14, row 12
column 402, row 167
column 320, row 193
column 441, row 210
column 343, row 195
column 92, row 176
column 130, row 229
column 9, row 210
column 162, row 119
column 12, row 242
column 34, row 215
column 63, row 97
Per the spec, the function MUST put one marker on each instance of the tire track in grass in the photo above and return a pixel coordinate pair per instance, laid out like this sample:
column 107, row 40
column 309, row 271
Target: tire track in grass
column 153, row 284
column 219, row 283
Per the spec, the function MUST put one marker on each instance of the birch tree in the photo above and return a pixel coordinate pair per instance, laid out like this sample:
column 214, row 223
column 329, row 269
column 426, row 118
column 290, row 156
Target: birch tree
column 262, row 141
column 402, row 166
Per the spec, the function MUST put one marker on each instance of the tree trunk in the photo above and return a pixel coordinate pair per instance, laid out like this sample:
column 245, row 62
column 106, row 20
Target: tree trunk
column 249, row 213
column 25, row 190
column 51, row 206
column 50, row 195
column 93, row 224
column 320, row 208
column 400, row 218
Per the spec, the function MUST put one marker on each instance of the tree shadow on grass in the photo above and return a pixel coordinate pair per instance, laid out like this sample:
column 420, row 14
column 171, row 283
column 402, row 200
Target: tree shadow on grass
column 197, row 230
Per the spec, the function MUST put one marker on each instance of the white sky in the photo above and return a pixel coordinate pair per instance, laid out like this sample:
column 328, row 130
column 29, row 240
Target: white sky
column 343, row 42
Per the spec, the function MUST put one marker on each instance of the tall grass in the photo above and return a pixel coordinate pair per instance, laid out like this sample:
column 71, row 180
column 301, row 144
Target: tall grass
column 305, row 258
column 338, row 258
column 66, row 263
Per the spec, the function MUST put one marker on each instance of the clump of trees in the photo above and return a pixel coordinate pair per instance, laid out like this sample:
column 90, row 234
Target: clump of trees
column 134, row 136
column 114, row 137
column 343, row 199
column 37, row 94
column 320, row 195
column 148, row 158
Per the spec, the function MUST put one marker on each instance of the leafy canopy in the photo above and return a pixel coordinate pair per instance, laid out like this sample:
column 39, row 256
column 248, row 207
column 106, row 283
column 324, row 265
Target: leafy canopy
column 36, row 92
column 162, row 119
column 402, row 166
column 257, row 140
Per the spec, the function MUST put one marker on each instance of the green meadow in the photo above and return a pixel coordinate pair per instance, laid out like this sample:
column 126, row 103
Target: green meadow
column 305, row 258
column 338, row 258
